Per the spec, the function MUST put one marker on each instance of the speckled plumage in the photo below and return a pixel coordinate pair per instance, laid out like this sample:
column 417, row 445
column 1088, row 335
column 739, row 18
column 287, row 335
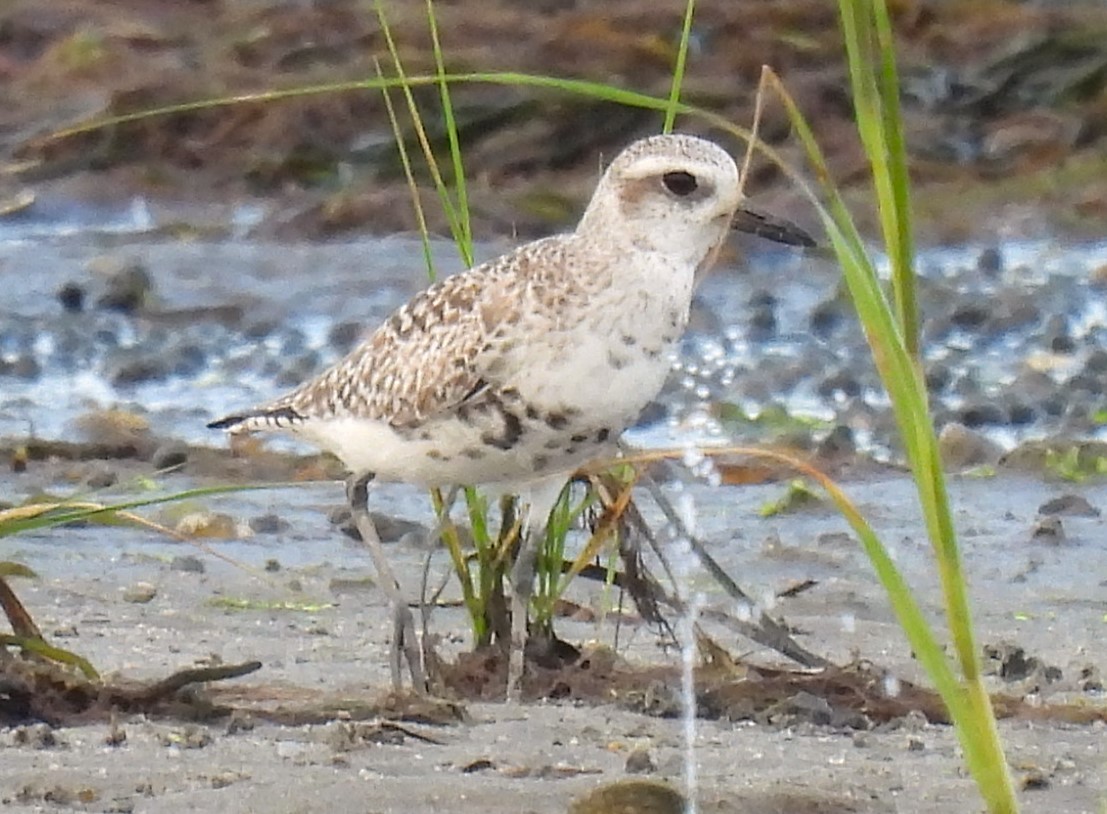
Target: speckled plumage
column 527, row 366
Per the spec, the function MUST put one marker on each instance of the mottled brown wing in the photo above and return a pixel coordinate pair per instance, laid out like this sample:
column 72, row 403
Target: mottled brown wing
column 430, row 356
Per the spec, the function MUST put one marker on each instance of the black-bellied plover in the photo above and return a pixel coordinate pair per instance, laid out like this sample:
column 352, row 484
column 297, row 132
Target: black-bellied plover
column 514, row 373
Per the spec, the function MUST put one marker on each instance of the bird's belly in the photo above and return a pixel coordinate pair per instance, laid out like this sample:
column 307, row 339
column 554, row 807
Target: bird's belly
column 451, row 451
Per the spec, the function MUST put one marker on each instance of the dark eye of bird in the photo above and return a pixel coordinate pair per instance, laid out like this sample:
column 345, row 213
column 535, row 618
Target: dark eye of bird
column 680, row 183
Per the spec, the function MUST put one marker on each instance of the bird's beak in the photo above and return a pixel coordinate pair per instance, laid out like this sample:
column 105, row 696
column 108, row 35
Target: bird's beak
column 771, row 228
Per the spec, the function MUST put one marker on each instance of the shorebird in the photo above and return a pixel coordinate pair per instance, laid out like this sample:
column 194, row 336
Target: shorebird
column 514, row 373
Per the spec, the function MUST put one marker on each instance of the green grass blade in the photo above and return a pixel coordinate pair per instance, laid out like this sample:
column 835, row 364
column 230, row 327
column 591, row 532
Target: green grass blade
column 409, row 178
column 902, row 378
column 899, row 183
column 42, row 648
column 465, row 227
column 406, row 86
column 678, row 68
column 875, row 85
column 62, row 515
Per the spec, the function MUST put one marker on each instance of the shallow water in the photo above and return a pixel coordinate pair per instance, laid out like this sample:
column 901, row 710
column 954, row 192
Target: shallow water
column 234, row 322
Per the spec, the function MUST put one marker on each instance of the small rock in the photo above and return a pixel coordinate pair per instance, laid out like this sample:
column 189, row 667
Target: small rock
column 187, row 563
column 1096, row 363
column 389, row 529
column 1034, row 778
column 269, row 524
column 826, row 317
column 342, row 336
column 1071, row 505
column 1090, row 679
column 36, row 736
column 838, row 443
column 129, row 366
column 638, row 796
column 191, row 737
column 100, row 477
column 938, row 377
column 208, row 524
column 915, row 744
column 840, row 383
column 970, row 316
column 128, row 286
column 240, row 722
column 140, row 593
column 1011, row 663
column 1048, row 530
column 1058, row 336
column 762, row 324
column 962, row 448
column 639, row 761
column 169, row 455
column 272, row 566
column 979, row 413
column 1020, row 414
column 24, row 366
column 990, row 261
column 72, row 298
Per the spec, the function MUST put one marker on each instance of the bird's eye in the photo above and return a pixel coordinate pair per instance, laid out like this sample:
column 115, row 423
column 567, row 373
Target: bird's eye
column 680, row 183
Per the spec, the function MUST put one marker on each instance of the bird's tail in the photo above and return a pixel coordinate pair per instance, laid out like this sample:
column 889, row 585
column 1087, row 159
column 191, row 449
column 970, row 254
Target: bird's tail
column 274, row 418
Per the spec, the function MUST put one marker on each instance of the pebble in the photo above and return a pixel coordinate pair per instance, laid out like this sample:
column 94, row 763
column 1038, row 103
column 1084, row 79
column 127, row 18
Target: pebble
column 990, row 261
column 188, row 564
column 637, row 796
column 71, row 296
column 100, row 477
column 130, row 366
column 1048, row 530
column 24, row 366
column 1071, row 505
column 962, row 447
column 389, row 529
column 128, row 286
column 209, row 525
column 639, row 761
column 343, row 335
column 140, row 593
column 269, row 524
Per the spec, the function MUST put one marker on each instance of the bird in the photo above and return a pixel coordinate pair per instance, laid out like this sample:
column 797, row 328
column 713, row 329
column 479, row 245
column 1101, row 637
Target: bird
column 512, row 374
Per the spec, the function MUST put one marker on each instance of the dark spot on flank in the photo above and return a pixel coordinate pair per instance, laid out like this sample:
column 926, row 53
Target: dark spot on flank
column 556, row 421
column 615, row 361
column 570, row 450
column 540, row 461
column 473, row 453
column 425, row 435
column 603, row 435
column 578, row 439
column 509, row 434
column 629, row 340
column 510, row 393
column 553, row 444
column 532, row 413
column 436, row 455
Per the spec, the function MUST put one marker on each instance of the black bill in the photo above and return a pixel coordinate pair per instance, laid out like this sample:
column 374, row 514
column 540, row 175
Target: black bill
column 771, row 228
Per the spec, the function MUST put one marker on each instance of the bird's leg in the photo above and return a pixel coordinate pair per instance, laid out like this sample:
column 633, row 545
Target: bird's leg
column 404, row 640
column 522, row 586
